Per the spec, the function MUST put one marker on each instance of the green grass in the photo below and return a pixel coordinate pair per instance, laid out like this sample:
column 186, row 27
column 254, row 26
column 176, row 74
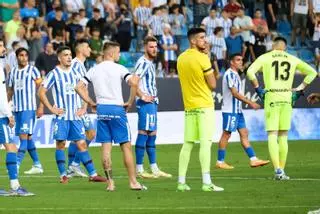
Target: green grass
column 247, row 190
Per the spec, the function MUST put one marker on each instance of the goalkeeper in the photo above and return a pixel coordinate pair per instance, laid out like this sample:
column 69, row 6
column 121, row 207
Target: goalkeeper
column 278, row 68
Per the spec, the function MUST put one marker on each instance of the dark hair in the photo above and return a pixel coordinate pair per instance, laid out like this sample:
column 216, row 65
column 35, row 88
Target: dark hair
column 110, row 44
column 14, row 43
column 79, row 30
column 258, row 9
column 217, row 30
column 280, row 38
column 81, row 41
column 96, row 10
column 194, row 31
column 95, row 29
column 234, row 56
column 62, row 48
column 58, row 9
column 20, row 50
column 155, row 9
column 74, row 15
column 82, row 10
column 34, row 29
column 148, row 39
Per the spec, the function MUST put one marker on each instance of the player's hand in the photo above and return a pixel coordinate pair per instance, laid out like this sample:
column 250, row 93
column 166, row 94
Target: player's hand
column 296, row 95
column 11, row 121
column 313, row 98
column 81, row 112
column 261, row 93
column 93, row 107
column 127, row 106
column 57, row 111
column 147, row 98
column 254, row 105
column 40, row 112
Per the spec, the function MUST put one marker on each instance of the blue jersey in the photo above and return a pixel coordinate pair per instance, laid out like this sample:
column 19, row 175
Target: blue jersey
column 23, row 82
column 145, row 69
column 230, row 80
column 80, row 71
column 142, row 14
column 64, row 94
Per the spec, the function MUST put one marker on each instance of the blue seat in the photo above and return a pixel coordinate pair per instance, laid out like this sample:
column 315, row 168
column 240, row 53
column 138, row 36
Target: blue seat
column 306, row 55
column 129, row 59
column 284, row 27
column 292, row 52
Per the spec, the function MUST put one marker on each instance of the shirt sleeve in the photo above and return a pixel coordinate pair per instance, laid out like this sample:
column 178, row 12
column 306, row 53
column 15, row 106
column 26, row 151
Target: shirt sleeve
column 141, row 69
column 230, row 80
column 49, row 80
column 224, row 45
column 254, row 68
column 88, row 77
column 125, row 74
column 206, row 65
column 35, row 73
column 11, row 78
column 307, row 70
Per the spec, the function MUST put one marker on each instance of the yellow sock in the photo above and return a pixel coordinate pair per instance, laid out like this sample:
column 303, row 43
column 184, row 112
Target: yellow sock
column 274, row 149
column 283, row 150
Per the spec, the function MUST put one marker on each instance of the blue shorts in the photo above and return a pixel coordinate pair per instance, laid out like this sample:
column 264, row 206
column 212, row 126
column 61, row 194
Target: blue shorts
column 6, row 134
column 25, row 121
column 87, row 123
column 233, row 122
column 147, row 113
column 112, row 124
column 72, row 130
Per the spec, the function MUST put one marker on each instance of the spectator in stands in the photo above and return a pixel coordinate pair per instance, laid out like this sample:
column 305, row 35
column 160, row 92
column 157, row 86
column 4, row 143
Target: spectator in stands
column 110, row 28
column 100, row 4
column 73, row 27
column 249, row 5
column 7, row 9
column 74, row 6
column 157, row 3
column 200, row 11
column 141, row 16
column 12, row 26
column 95, row 22
column 164, row 14
column 244, row 27
column 57, row 25
column 211, row 22
column 96, row 45
column 58, row 40
column 218, row 46
column 260, row 24
column 316, row 34
column 169, row 48
column 20, row 37
column 111, row 8
column 83, row 18
column 124, row 23
column 47, row 60
column 232, row 8
column 29, row 10
column 178, row 22
column 317, row 58
column 234, row 42
column 271, row 12
column 258, row 45
column 35, row 44
column 226, row 23
column 52, row 14
column 12, row 57
column 299, row 13
column 155, row 23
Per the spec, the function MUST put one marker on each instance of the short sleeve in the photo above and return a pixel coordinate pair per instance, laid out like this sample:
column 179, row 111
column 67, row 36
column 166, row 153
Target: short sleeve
column 49, row 80
column 35, row 73
column 141, row 68
column 205, row 64
column 236, row 23
column 88, row 77
column 11, row 78
column 230, row 80
column 125, row 74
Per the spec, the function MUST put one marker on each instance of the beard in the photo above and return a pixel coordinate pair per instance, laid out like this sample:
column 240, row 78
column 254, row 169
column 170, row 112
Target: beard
column 151, row 56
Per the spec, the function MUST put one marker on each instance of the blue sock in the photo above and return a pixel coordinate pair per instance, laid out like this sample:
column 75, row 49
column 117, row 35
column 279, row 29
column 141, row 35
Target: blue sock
column 22, row 150
column 140, row 147
column 250, row 152
column 33, row 152
column 221, row 154
column 72, row 152
column 61, row 161
column 87, row 162
column 151, row 148
column 76, row 157
column 11, row 163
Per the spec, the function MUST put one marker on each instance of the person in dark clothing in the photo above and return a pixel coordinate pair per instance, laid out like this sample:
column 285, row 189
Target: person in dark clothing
column 271, row 12
column 124, row 22
column 46, row 61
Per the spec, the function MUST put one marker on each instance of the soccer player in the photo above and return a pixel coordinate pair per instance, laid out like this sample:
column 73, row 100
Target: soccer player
column 147, row 106
column 112, row 125
column 67, row 124
column 314, row 98
column 23, row 82
column 278, row 69
column 83, row 51
column 197, row 83
column 6, row 123
column 233, row 119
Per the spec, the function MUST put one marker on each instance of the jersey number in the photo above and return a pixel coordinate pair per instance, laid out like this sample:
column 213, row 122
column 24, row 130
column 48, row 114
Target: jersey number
column 285, row 68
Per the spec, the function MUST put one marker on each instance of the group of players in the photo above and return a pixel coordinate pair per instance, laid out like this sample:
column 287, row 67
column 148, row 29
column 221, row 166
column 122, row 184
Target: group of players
column 69, row 82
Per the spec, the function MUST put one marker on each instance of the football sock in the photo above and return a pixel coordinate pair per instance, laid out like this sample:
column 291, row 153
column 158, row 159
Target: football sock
column 33, row 153
column 11, row 163
column 22, row 150
column 206, row 178
column 14, row 184
column 139, row 168
column 72, row 152
column 154, row 167
column 274, row 149
column 221, row 155
column 283, row 150
column 76, row 160
column 87, row 162
column 205, row 155
column 184, row 158
column 182, row 179
column 140, row 147
column 151, row 148
column 250, row 152
column 61, row 160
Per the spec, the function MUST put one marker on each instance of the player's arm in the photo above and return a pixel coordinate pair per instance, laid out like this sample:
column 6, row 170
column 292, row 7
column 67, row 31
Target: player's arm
column 309, row 72
column 140, row 71
column 132, row 81
column 208, row 72
column 82, row 90
column 42, row 93
column 242, row 98
column 255, row 67
column 10, row 93
column 36, row 75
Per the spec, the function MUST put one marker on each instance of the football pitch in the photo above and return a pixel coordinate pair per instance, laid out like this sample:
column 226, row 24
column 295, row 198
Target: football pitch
column 247, row 190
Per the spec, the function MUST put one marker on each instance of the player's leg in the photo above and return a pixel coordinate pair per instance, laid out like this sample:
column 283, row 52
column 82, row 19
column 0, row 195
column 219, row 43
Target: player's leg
column 206, row 119
column 107, row 164
column 190, row 136
column 22, row 137
column 283, row 148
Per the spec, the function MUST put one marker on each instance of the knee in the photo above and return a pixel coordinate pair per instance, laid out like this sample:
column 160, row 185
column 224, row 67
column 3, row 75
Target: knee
column 10, row 147
column 244, row 133
column 143, row 132
column 91, row 134
column 23, row 137
column 226, row 135
column 60, row 145
column 82, row 146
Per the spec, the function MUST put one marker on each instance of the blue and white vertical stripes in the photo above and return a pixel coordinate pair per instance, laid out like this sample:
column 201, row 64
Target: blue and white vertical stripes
column 230, row 80
column 80, row 71
column 218, row 46
column 142, row 15
column 168, row 40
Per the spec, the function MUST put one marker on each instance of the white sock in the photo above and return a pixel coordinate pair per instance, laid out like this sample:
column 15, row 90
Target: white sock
column 75, row 164
column 14, row 184
column 182, row 179
column 253, row 158
column 154, row 167
column 139, row 168
column 220, row 162
column 38, row 165
column 206, row 178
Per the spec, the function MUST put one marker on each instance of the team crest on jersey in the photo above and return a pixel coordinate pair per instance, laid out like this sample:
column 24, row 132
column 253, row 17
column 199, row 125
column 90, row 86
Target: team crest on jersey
column 25, row 128
column 55, row 128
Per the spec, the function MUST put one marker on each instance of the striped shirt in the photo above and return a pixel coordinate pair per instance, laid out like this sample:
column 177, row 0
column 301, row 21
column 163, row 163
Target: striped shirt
column 5, row 110
column 211, row 24
column 177, row 23
column 218, row 45
column 226, row 24
column 23, row 82
column 80, row 70
column 155, row 24
column 64, row 94
column 142, row 15
column 145, row 69
column 168, row 54
column 230, row 80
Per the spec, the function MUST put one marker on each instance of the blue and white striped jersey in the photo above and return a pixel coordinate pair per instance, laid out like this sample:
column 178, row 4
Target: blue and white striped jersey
column 226, row 24
column 155, row 24
column 211, row 24
column 218, row 46
column 168, row 54
column 143, row 15
column 145, row 69
column 230, row 80
column 64, row 94
column 23, row 83
column 80, row 71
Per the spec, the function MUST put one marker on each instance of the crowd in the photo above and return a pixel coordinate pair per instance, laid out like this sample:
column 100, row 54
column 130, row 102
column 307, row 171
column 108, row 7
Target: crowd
column 233, row 26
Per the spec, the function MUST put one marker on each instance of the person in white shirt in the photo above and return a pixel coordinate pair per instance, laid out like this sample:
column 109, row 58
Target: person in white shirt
column 112, row 124
column 299, row 12
column 211, row 22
